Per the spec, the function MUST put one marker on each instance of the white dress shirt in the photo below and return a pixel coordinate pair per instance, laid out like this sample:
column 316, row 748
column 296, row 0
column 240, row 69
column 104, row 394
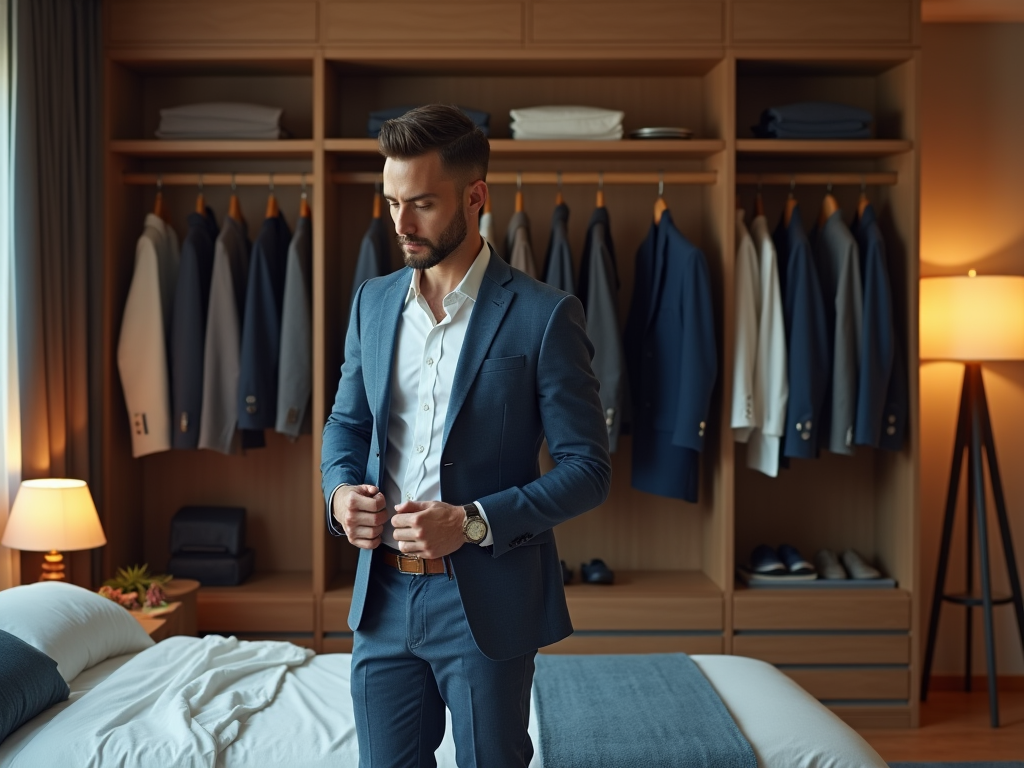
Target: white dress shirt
column 426, row 356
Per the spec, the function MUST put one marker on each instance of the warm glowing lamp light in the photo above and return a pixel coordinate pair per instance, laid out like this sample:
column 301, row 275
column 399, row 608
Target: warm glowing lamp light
column 974, row 319
column 53, row 516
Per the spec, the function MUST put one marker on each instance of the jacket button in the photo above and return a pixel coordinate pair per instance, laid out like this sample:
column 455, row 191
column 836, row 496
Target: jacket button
column 890, row 430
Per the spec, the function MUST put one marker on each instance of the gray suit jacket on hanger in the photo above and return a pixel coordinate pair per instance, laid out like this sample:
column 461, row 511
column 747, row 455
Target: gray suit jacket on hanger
column 558, row 262
column 599, row 291
column 518, row 244
column 222, row 355
column 188, row 329
column 295, row 372
column 374, row 254
column 838, row 263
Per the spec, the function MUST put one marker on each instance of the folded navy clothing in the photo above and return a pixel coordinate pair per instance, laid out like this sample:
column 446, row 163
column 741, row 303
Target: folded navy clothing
column 816, row 112
column 377, row 118
column 784, row 132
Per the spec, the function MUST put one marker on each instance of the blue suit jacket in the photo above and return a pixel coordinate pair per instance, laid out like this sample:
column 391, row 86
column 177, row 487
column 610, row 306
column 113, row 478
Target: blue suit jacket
column 523, row 375
column 807, row 339
column 672, row 361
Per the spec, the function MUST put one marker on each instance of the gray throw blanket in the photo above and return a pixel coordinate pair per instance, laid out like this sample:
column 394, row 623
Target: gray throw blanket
column 633, row 711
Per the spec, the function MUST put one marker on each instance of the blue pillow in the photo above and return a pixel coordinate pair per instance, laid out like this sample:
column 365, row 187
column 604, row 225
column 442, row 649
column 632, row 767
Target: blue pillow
column 29, row 683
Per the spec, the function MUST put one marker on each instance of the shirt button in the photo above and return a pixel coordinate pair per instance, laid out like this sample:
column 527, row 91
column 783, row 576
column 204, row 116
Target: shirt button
column 419, row 449
column 890, row 430
column 426, row 406
column 430, row 361
column 408, row 497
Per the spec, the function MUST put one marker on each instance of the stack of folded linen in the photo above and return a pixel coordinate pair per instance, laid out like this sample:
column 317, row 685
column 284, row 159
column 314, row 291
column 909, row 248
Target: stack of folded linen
column 566, row 123
column 814, row 120
column 220, row 121
column 480, row 119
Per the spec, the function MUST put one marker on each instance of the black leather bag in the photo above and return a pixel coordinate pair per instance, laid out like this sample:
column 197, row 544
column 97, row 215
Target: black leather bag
column 213, row 570
column 208, row 531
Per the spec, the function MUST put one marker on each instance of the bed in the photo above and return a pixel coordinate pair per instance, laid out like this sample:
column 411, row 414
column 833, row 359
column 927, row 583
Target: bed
column 218, row 701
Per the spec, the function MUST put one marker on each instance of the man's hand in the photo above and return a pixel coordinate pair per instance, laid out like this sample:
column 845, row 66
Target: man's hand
column 428, row 528
column 359, row 510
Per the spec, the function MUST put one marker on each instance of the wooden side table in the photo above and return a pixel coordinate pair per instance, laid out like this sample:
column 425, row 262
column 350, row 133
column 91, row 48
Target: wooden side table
column 160, row 627
column 184, row 591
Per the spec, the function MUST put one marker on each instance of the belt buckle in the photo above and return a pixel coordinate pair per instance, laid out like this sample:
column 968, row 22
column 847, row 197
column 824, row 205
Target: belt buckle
column 418, row 569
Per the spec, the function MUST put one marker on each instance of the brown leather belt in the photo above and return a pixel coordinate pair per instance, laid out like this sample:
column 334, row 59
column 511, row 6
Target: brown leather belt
column 416, row 565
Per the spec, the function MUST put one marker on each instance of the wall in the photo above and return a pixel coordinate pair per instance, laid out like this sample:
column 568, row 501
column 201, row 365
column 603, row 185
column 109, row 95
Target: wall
column 972, row 215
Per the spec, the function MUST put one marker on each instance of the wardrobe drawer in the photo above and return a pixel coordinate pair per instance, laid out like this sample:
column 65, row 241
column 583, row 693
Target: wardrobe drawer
column 824, row 649
column 852, row 683
column 839, row 609
column 234, row 21
column 822, row 21
column 423, row 23
column 695, row 21
column 587, row 643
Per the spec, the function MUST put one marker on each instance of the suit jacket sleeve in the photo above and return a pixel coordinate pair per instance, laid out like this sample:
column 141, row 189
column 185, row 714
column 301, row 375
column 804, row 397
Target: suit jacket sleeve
column 876, row 353
column 349, row 428
column 698, row 358
column 744, row 412
column 570, row 411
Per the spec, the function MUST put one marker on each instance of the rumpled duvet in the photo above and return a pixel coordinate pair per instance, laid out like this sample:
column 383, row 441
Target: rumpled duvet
column 180, row 703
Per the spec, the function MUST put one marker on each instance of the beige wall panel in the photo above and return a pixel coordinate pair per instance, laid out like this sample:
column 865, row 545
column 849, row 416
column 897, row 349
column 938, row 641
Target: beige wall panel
column 824, row 649
column 864, row 683
column 422, row 23
column 637, row 644
column 860, row 609
column 815, row 22
column 133, row 22
column 628, row 22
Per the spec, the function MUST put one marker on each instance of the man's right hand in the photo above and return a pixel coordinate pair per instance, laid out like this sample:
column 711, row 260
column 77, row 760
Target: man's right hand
column 360, row 511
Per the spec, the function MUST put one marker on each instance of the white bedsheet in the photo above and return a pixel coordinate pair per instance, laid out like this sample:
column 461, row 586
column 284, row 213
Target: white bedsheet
column 309, row 723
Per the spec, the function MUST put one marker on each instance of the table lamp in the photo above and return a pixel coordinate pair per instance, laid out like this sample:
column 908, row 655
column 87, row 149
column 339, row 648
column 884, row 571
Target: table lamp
column 974, row 319
column 53, row 516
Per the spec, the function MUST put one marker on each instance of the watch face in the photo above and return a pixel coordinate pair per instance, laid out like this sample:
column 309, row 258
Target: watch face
column 476, row 529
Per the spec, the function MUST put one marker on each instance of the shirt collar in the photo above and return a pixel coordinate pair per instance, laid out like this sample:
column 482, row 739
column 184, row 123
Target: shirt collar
column 469, row 286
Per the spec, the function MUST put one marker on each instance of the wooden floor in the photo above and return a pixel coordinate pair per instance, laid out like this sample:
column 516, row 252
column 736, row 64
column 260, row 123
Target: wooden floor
column 955, row 727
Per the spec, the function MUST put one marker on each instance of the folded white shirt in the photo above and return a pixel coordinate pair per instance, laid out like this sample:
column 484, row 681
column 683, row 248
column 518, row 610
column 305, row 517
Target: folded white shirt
column 220, row 120
column 531, row 134
column 567, row 120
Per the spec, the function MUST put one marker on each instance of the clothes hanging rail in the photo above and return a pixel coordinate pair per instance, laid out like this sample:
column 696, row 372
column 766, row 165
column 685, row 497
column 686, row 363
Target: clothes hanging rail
column 219, row 179
column 553, row 178
column 883, row 178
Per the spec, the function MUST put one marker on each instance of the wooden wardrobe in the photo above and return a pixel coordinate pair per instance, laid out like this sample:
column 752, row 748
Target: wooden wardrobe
column 708, row 65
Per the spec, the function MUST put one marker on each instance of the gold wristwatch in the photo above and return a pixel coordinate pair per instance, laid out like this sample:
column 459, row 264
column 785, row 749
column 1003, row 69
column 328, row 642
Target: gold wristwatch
column 474, row 529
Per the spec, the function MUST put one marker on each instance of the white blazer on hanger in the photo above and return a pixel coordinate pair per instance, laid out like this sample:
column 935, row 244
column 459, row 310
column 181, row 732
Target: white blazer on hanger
column 142, row 344
column 760, row 384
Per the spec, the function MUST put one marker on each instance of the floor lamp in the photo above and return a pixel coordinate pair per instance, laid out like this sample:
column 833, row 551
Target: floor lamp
column 974, row 319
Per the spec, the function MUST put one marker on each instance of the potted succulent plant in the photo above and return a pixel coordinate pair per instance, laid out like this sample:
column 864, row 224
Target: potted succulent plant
column 136, row 589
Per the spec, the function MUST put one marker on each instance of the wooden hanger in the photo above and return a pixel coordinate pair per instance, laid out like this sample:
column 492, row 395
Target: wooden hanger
column 378, row 199
column 600, row 189
column 660, row 206
column 234, row 207
column 519, row 193
column 272, row 208
column 558, row 195
column 828, row 207
column 862, row 202
column 158, row 202
column 200, row 201
column 304, row 211
column 787, row 216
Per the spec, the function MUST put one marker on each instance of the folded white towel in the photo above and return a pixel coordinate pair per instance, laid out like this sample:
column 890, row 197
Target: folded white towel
column 565, row 122
column 530, row 135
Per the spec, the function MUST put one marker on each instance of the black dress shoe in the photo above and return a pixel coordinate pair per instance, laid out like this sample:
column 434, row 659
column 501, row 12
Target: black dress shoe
column 596, row 573
column 566, row 572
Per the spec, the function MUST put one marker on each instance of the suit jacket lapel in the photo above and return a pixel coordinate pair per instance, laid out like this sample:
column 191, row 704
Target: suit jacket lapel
column 387, row 331
column 492, row 302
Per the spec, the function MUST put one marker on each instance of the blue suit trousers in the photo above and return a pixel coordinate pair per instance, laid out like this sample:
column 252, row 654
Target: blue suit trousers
column 414, row 653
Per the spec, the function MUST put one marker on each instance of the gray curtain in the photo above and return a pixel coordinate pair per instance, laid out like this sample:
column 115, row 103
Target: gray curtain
column 57, row 213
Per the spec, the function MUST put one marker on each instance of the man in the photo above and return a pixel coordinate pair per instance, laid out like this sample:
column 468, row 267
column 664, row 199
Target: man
column 456, row 368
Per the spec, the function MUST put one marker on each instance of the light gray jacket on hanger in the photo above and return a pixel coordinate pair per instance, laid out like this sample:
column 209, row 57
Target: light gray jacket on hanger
column 295, row 370
column 518, row 245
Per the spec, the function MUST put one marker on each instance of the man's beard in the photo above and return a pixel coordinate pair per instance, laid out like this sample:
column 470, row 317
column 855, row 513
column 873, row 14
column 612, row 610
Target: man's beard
column 451, row 238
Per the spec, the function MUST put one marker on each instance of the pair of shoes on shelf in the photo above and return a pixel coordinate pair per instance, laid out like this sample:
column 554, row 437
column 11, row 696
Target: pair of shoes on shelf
column 596, row 572
column 830, row 567
column 785, row 561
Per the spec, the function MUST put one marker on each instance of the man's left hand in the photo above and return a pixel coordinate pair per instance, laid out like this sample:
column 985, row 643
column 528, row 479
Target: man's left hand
column 428, row 529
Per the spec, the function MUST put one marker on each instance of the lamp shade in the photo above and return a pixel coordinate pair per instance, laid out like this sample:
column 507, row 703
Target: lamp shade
column 972, row 318
column 53, row 514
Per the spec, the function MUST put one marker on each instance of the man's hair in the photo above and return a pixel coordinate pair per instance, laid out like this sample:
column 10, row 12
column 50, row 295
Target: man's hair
column 463, row 148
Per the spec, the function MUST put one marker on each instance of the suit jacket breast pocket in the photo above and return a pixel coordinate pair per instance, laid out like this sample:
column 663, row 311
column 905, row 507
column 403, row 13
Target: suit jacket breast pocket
column 502, row 363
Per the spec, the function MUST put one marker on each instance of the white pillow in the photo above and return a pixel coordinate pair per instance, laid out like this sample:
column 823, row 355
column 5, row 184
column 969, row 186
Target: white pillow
column 73, row 626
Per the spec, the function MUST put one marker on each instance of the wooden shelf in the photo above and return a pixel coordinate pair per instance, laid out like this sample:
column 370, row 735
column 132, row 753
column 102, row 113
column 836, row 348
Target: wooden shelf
column 511, row 149
column 822, row 147
column 281, row 148
column 647, row 600
column 267, row 602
